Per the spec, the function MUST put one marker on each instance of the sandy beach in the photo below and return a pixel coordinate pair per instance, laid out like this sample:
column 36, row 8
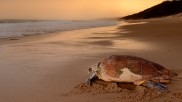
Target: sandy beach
column 46, row 68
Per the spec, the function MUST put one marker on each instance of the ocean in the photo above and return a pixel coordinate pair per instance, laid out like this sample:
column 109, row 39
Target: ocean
column 14, row 28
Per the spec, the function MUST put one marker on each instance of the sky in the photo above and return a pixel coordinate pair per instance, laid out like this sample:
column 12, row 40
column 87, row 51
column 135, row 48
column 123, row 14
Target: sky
column 71, row 9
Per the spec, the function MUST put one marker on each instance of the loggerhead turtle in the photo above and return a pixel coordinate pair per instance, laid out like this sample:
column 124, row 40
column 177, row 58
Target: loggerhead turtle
column 124, row 68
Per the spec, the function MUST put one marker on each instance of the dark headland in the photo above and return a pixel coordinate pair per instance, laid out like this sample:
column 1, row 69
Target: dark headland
column 163, row 9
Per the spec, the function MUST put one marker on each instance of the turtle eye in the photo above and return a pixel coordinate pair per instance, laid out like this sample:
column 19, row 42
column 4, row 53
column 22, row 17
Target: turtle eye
column 90, row 69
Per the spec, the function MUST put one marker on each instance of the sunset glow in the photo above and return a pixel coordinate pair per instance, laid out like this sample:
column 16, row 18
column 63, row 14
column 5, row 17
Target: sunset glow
column 71, row 9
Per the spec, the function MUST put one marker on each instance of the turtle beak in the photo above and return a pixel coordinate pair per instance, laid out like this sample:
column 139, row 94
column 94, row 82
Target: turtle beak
column 90, row 77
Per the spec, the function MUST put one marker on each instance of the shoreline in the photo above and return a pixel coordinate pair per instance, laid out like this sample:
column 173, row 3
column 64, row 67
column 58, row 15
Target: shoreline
column 29, row 28
column 15, row 39
column 44, row 67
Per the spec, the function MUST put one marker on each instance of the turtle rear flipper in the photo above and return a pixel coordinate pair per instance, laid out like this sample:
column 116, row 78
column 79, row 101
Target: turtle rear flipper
column 155, row 85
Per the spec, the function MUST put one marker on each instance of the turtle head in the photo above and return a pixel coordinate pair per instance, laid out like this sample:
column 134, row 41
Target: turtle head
column 92, row 72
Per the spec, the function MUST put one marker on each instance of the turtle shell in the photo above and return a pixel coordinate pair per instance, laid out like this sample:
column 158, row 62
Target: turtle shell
column 111, row 69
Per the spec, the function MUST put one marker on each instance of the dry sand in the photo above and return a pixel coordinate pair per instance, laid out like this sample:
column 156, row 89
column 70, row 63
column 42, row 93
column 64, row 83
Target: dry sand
column 53, row 67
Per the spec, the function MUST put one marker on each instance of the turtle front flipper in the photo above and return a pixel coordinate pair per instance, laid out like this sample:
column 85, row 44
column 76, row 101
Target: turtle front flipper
column 90, row 77
column 155, row 85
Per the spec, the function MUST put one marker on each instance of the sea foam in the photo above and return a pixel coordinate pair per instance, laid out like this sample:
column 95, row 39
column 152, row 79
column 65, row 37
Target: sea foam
column 12, row 29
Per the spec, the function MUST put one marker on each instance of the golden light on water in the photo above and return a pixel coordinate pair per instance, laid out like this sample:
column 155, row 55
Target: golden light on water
column 71, row 9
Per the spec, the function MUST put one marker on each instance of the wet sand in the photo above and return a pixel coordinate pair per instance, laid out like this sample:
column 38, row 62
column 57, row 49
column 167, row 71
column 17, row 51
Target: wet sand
column 46, row 68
